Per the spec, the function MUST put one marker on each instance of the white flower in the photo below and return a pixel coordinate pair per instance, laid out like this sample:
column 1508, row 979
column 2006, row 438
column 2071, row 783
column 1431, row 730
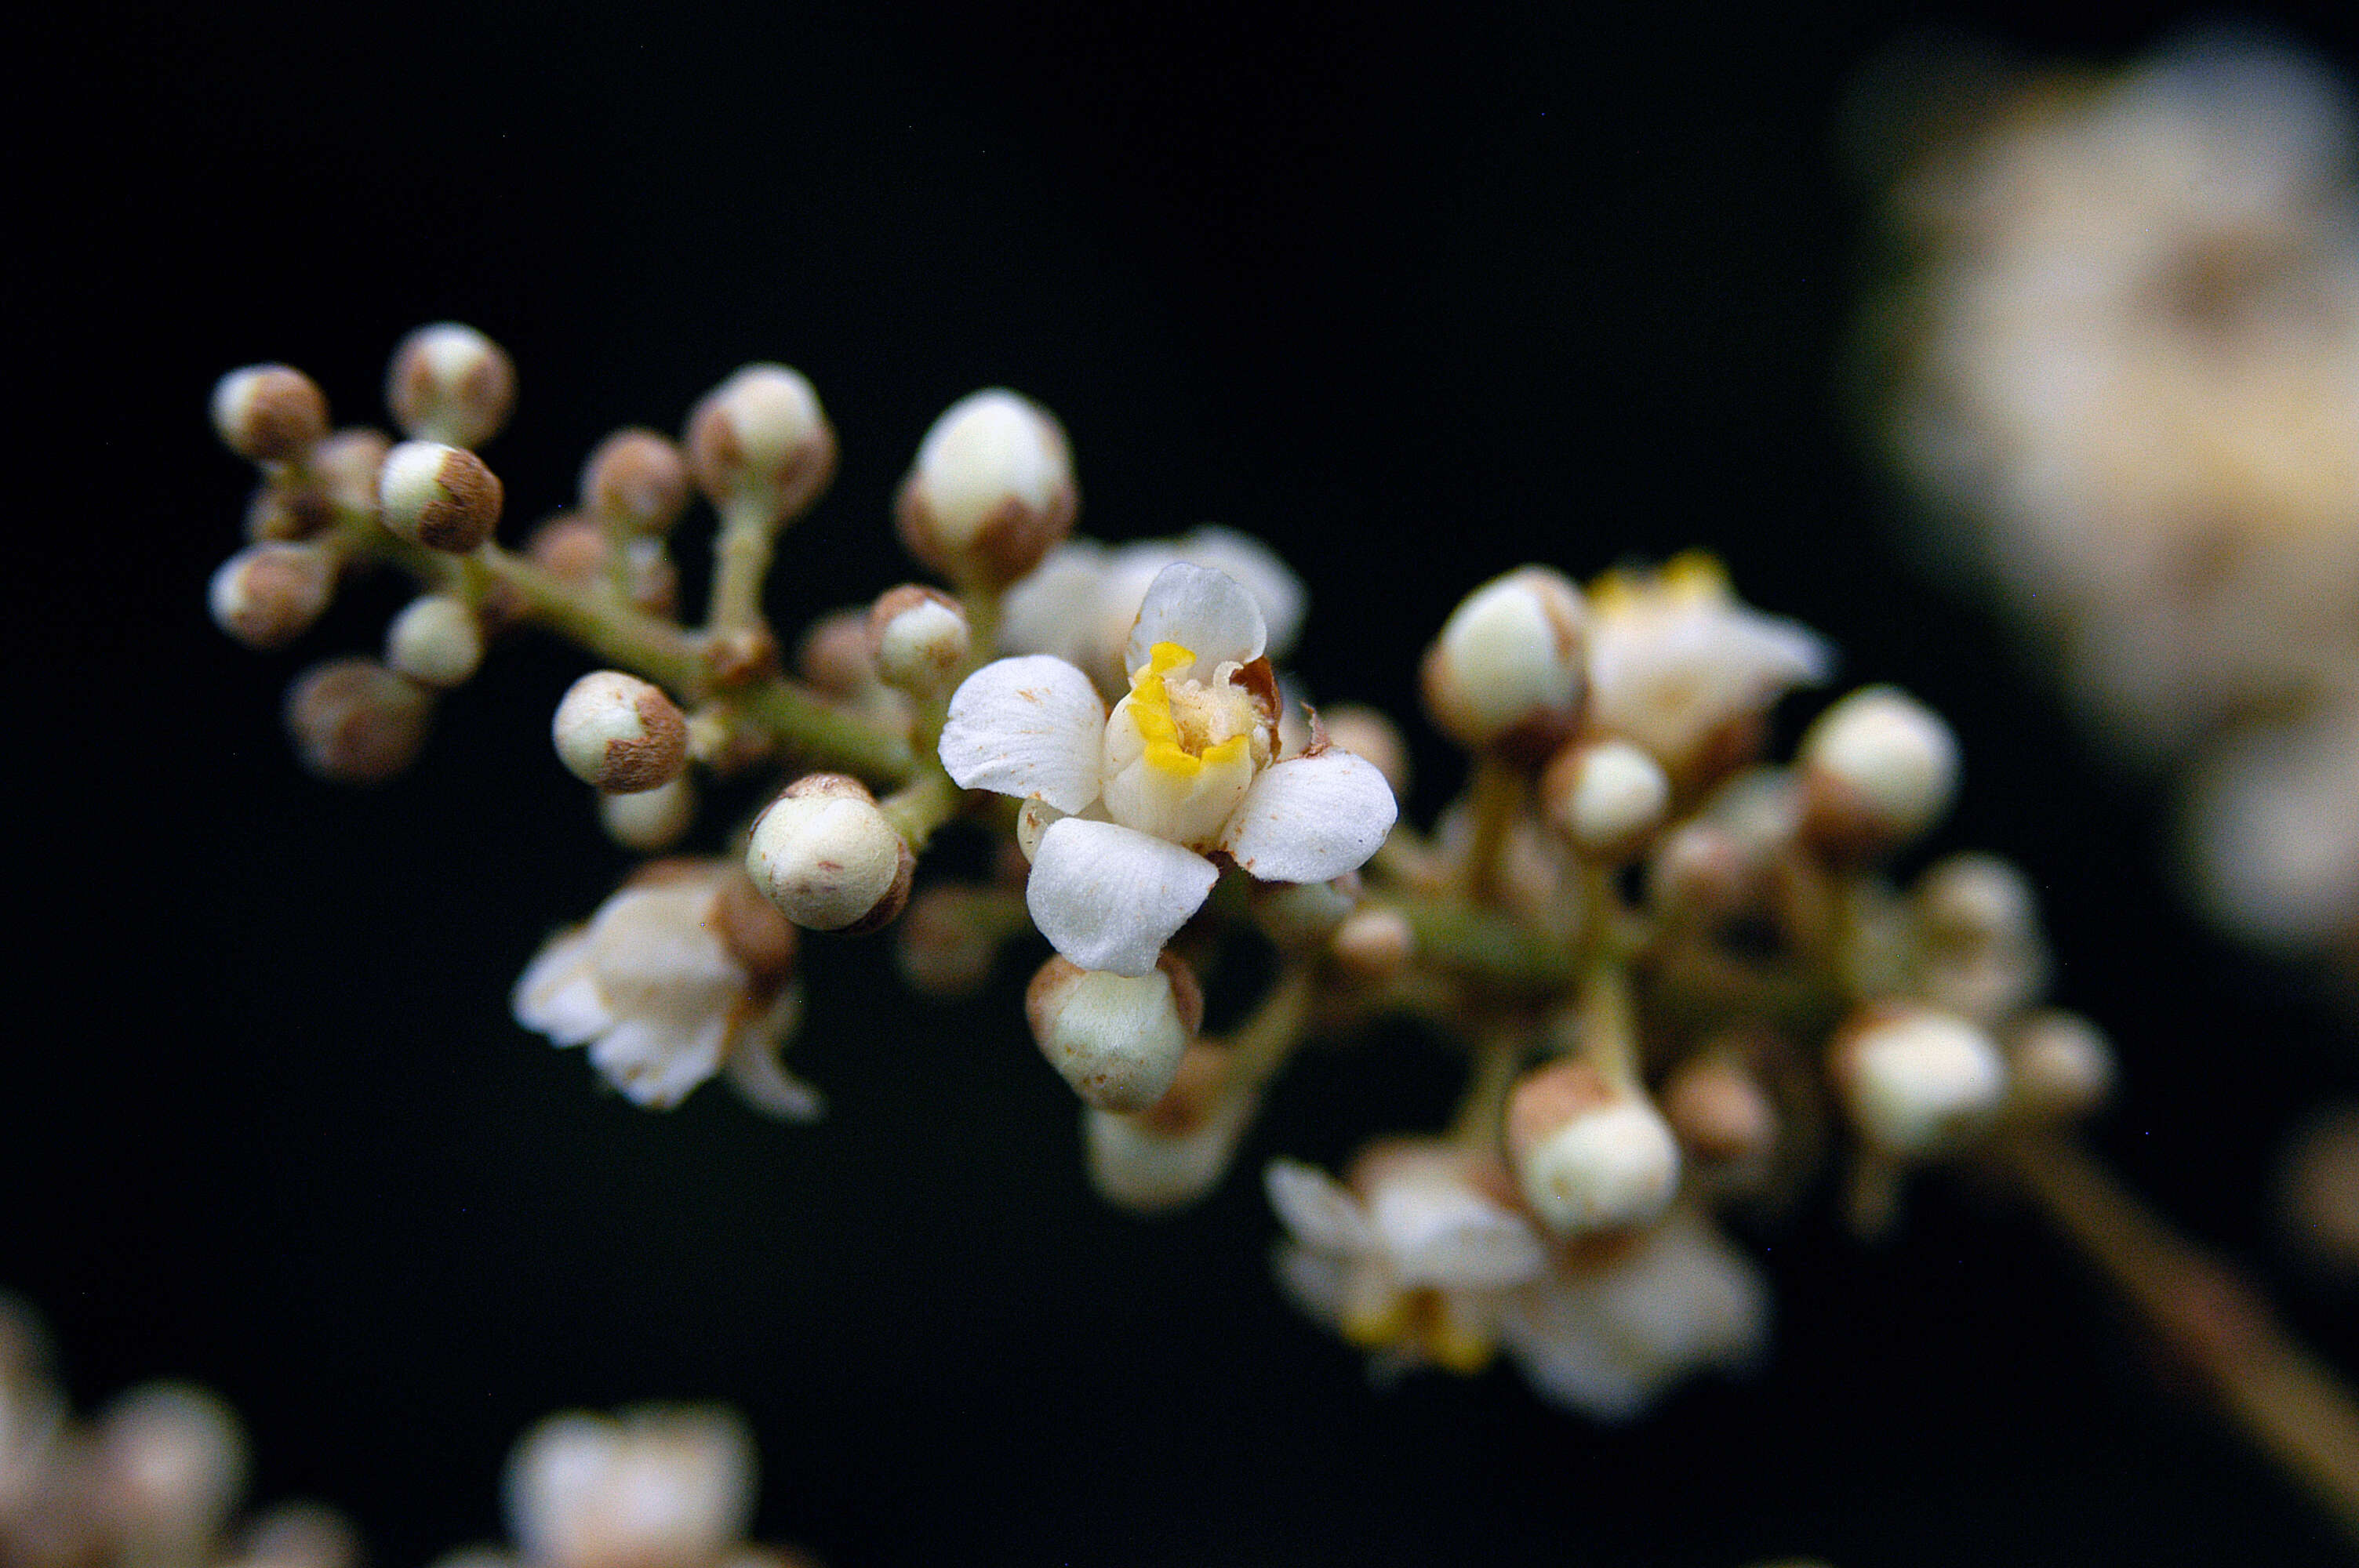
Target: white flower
column 1415, row 1258
column 1185, row 767
column 1080, row 604
column 681, row 974
column 660, row 1489
column 1680, row 666
column 1605, row 1336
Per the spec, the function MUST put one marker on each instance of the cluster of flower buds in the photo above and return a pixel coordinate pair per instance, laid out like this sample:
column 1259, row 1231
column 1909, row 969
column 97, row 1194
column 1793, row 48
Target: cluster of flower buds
column 157, row 1478
column 1671, row 968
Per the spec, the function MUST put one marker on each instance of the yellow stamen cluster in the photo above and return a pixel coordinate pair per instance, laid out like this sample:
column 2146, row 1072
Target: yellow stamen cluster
column 1179, row 736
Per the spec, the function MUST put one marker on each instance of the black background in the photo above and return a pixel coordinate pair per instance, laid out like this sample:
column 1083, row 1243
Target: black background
column 1414, row 300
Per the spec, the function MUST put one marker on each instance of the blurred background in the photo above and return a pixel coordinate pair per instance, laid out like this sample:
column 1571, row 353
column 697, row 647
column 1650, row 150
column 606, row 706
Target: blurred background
column 1415, row 300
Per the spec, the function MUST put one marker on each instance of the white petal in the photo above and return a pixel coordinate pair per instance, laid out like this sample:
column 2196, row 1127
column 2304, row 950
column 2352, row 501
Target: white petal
column 1443, row 1233
column 1109, row 897
column 558, row 995
column 1319, row 1210
column 1310, row 818
column 1271, row 582
column 1049, row 611
column 1207, row 612
column 760, row 1079
column 1026, row 727
column 654, row 1066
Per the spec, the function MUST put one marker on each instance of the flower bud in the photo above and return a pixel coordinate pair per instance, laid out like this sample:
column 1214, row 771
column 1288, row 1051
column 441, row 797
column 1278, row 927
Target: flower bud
column 826, row 855
column 439, row 496
column 1917, row 1082
column 1170, row 1156
column 1368, row 734
column 435, row 640
column 919, row 639
column 2059, row 1066
column 1878, row 768
column 649, row 819
column 619, row 734
column 637, row 480
column 346, row 466
column 1300, row 917
column 992, row 490
column 1374, row 944
column 663, row 1487
column 1506, row 673
column 1117, row 1040
column 1980, row 953
column 300, row 1535
column 760, row 440
column 268, row 595
column 271, row 414
column 450, row 384
column 355, row 722
column 171, row 1463
column 570, row 547
column 1589, row 1156
column 1720, row 1112
column 1607, row 796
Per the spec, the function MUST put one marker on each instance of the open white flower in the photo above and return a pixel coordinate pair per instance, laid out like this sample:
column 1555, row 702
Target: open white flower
column 685, row 972
column 1185, row 767
column 1416, row 1258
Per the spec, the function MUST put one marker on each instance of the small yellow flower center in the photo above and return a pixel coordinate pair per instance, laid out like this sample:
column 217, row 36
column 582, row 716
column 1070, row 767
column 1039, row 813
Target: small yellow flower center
column 1420, row 1321
column 1184, row 723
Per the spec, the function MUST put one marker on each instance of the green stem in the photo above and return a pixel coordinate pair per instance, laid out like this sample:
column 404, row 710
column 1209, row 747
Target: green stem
column 741, row 562
column 923, row 804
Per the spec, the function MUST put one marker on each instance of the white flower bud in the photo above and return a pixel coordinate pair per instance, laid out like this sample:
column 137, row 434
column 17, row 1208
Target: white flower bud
column 439, row 496
column 636, row 478
column 1374, row 944
column 1589, row 1156
column 649, row 819
column 2059, row 1066
column 355, row 722
column 1508, row 671
column 1171, row 1155
column 437, row 640
column 619, row 734
column 1300, row 917
column 346, row 466
column 826, row 855
column 660, row 1489
column 1116, row 1039
column 171, row 1463
column 1917, row 1082
column 992, row 490
column 268, row 595
column 919, row 639
column 449, row 383
column 760, row 440
column 1879, row 768
column 272, row 413
column 1607, row 796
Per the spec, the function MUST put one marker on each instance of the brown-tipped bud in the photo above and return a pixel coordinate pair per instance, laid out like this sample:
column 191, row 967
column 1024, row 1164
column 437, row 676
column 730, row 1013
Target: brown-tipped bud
column 826, row 855
column 992, row 490
column 1720, row 1112
column 570, row 547
column 2059, row 1066
column 759, row 443
column 756, row 933
column 355, row 722
column 836, row 655
column 1374, row 944
column 266, row 595
column 1607, row 796
column 949, row 939
column 439, row 496
column 1369, row 734
column 619, row 734
column 1508, row 672
column 638, row 480
column 272, row 413
column 1170, row 1156
column 449, row 383
column 346, row 466
column 651, row 820
column 1589, row 1155
column 1116, row 1039
column 436, row 639
column 918, row 638
column 1701, row 872
column 1917, row 1082
column 1878, row 768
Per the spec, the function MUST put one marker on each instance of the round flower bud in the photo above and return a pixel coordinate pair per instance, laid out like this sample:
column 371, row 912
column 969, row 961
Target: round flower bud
column 570, row 547
column 636, row 478
column 171, row 1463
column 2059, row 1066
column 272, row 413
column 346, row 466
column 992, row 490
column 1916, row 1081
column 949, row 939
column 1720, row 1112
column 355, row 722
column 919, row 639
column 649, row 819
column 1589, row 1156
column 760, row 440
column 1368, row 734
column 1374, row 944
column 1117, row 1040
column 268, row 595
column 437, row 640
column 1171, row 1155
column 826, row 855
column 1507, row 674
column 439, row 496
column 1878, row 769
column 619, row 734
column 450, row 384
column 1300, row 917
column 1607, row 796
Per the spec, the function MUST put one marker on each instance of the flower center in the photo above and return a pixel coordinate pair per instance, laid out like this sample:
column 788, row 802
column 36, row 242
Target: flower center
column 1185, row 723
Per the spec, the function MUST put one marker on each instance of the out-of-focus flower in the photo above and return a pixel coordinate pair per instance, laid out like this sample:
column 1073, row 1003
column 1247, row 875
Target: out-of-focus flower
column 1414, row 1258
column 1184, row 767
column 661, row 1488
column 683, row 973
